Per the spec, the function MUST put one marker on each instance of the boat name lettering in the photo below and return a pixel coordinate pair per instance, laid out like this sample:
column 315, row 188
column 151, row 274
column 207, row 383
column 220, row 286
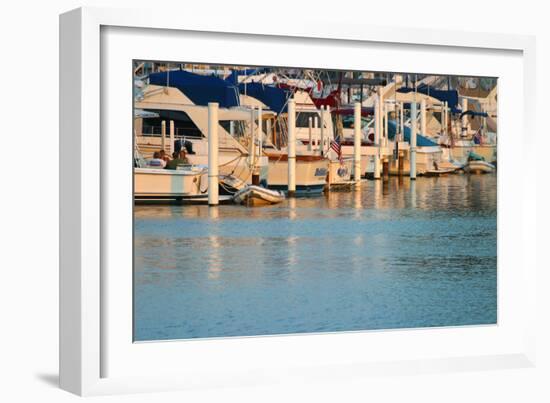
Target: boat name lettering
column 321, row 172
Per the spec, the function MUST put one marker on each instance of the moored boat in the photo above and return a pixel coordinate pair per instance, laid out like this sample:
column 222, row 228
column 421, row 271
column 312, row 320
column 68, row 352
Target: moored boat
column 311, row 173
column 187, row 184
column 439, row 171
column 253, row 195
column 479, row 167
column 161, row 107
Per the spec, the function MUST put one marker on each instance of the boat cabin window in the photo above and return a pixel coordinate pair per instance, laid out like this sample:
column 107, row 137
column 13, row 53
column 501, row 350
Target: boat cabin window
column 238, row 127
column 183, row 125
column 302, row 119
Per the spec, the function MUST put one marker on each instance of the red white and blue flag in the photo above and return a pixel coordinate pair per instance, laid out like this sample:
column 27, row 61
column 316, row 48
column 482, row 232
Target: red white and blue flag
column 337, row 148
column 478, row 138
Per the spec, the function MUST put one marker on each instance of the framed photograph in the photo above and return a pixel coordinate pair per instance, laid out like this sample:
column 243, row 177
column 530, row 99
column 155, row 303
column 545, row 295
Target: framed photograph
column 242, row 204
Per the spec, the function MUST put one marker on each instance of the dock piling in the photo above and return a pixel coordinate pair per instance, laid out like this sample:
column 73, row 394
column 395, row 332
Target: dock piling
column 402, row 122
column 327, row 113
column 357, row 144
column 260, row 132
column 291, row 148
column 257, row 150
column 213, row 196
column 444, row 118
column 310, row 129
column 412, row 169
column 322, row 143
column 172, row 137
column 251, row 144
column 377, row 130
column 386, row 169
column 163, row 134
column 385, row 117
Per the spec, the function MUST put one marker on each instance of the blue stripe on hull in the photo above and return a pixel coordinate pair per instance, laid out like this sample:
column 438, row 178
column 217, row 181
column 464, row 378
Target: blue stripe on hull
column 302, row 190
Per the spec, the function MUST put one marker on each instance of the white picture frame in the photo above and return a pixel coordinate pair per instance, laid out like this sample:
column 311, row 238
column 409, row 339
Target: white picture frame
column 89, row 336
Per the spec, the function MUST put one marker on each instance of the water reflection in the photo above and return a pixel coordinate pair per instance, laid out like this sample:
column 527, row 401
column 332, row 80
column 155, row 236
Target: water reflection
column 291, row 205
column 215, row 261
column 214, row 212
column 357, row 202
column 390, row 254
column 412, row 187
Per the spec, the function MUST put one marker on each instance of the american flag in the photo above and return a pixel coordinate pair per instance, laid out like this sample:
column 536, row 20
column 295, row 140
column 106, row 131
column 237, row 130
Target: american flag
column 478, row 139
column 337, row 149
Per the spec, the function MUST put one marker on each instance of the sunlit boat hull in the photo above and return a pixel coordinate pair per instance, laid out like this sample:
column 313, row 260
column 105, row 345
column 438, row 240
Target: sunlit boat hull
column 479, row 167
column 258, row 196
column 165, row 184
column 311, row 174
column 340, row 173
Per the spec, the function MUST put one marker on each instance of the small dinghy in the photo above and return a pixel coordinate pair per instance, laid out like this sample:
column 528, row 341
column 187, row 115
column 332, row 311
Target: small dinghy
column 443, row 168
column 479, row 167
column 440, row 171
column 253, row 195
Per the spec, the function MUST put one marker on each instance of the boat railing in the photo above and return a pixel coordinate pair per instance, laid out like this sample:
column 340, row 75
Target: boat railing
column 156, row 131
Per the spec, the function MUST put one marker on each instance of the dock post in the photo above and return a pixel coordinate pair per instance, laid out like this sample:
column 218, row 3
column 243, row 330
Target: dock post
column 260, row 132
column 412, row 169
column 291, row 148
column 423, row 117
column 322, row 144
column 385, row 115
column 163, row 135
column 258, row 149
column 444, row 118
column 402, row 122
column 213, row 198
column 310, row 128
column 172, row 137
column 377, row 129
column 385, row 169
column 251, row 145
column 464, row 117
column 327, row 114
column 357, row 144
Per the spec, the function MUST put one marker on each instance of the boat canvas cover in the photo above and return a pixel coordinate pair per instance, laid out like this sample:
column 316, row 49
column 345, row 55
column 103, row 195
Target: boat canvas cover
column 421, row 141
column 233, row 78
column 198, row 88
column 451, row 96
column 275, row 98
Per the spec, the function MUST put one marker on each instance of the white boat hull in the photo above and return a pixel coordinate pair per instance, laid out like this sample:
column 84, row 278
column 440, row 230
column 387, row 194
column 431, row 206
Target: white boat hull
column 258, row 196
column 427, row 159
column 311, row 174
column 479, row 167
column 340, row 172
column 169, row 184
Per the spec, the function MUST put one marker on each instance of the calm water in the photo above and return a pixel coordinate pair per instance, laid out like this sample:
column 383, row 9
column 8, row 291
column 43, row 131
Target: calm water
column 389, row 256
